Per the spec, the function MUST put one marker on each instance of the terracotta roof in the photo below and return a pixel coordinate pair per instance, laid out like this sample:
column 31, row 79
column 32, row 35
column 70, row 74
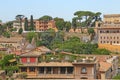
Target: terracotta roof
column 47, row 64
column 12, row 39
column 31, row 54
column 18, row 52
column 101, row 58
column 43, row 49
column 104, row 66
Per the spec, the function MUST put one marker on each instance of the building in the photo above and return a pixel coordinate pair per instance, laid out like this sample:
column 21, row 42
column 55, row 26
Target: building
column 105, row 70
column 107, row 67
column 35, row 67
column 109, row 30
column 17, row 25
column 10, row 42
column 45, row 25
column 112, row 18
column 2, row 75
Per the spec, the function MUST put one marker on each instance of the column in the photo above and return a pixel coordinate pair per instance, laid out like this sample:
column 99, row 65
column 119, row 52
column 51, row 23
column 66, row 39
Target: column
column 27, row 69
column 36, row 71
column 52, row 70
column 44, row 70
column 58, row 70
column 65, row 70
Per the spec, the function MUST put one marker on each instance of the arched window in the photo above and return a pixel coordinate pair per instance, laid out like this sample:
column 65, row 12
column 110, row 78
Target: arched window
column 83, row 70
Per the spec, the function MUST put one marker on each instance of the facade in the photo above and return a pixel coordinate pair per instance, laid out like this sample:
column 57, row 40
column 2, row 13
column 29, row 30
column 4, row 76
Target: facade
column 109, row 30
column 12, row 41
column 107, row 67
column 112, row 18
column 31, row 64
column 45, row 25
column 17, row 25
column 88, row 67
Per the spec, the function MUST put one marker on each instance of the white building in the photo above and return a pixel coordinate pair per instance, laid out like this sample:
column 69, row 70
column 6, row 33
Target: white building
column 18, row 26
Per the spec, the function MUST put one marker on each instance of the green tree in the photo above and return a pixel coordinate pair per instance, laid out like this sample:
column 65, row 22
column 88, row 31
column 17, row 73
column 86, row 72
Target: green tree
column 60, row 24
column 74, row 23
column 116, row 77
column 47, row 37
column 91, row 31
column 101, row 52
column 2, row 29
column 31, row 23
column 30, row 36
column 5, row 61
column 87, row 18
column 10, row 73
column 67, row 26
column 6, row 34
column 46, row 18
column 8, row 25
column 26, row 24
column 20, row 31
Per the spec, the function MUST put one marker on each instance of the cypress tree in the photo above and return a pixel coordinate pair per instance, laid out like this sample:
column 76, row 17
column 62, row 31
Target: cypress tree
column 26, row 24
column 31, row 23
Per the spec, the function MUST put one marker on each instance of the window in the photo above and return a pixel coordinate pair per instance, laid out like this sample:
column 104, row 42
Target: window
column 117, row 37
column 111, row 37
column 104, row 41
column 83, row 70
column 62, row 70
column 55, row 70
column 48, row 70
column 24, row 60
column 100, row 31
column 69, row 70
column 104, row 37
column 23, row 69
column 41, row 70
column 114, row 41
column 32, row 69
column 117, row 41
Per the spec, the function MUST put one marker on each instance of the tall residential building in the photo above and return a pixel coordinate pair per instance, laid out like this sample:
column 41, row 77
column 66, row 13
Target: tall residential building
column 109, row 30
column 45, row 25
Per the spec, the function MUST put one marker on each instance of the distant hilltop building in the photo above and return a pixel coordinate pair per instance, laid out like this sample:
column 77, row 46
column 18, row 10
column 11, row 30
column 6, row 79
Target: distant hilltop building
column 39, row 25
column 16, row 24
column 109, row 31
column 112, row 18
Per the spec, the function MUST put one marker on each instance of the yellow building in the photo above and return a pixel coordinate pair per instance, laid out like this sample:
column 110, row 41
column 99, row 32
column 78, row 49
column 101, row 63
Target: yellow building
column 109, row 31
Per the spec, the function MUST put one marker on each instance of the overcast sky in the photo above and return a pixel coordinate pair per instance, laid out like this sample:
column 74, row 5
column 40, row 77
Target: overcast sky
column 55, row 8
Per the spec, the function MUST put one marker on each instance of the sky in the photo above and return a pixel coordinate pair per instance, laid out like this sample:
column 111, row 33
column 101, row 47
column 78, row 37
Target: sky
column 55, row 8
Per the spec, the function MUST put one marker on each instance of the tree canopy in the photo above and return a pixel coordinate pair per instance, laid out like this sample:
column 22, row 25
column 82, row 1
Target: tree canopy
column 46, row 18
column 86, row 18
